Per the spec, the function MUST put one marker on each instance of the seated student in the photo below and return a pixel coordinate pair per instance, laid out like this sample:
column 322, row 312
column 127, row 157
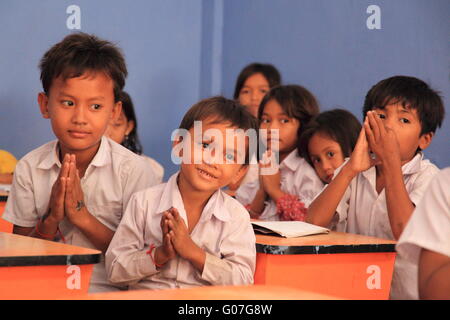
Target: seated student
column 253, row 82
column 375, row 192
column 187, row 232
column 75, row 189
column 7, row 164
column 425, row 240
column 124, row 131
column 327, row 140
column 286, row 193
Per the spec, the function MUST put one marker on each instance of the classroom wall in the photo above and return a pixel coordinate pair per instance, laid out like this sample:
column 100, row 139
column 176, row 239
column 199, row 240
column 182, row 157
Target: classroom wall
column 327, row 47
column 180, row 51
column 161, row 40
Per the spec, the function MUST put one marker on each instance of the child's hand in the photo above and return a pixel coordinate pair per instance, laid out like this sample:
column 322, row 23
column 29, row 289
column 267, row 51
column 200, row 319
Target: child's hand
column 179, row 235
column 165, row 252
column 382, row 140
column 57, row 196
column 74, row 205
column 270, row 177
column 360, row 159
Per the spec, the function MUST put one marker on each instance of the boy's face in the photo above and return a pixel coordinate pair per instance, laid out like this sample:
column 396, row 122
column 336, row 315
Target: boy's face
column 80, row 110
column 211, row 171
column 274, row 117
column 405, row 122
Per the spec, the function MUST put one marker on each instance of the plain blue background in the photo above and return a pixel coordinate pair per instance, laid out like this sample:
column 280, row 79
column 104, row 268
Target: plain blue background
column 180, row 51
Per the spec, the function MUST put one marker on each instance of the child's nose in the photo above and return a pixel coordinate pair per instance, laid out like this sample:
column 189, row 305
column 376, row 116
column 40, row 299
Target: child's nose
column 79, row 115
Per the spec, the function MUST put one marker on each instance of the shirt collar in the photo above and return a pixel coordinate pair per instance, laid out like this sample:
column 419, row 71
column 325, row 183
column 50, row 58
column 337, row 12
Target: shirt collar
column 412, row 166
column 52, row 157
column 291, row 161
column 101, row 158
column 171, row 197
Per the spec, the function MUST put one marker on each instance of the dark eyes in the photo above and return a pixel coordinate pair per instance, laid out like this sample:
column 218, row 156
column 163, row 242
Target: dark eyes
column 68, row 103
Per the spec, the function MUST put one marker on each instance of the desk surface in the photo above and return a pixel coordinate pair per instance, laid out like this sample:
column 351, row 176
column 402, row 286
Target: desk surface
column 252, row 292
column 334, row 242
column 16, row 250
column 3, row 196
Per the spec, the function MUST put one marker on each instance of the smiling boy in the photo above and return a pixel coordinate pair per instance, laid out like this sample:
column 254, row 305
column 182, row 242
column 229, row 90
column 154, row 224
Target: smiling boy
column 188, row 232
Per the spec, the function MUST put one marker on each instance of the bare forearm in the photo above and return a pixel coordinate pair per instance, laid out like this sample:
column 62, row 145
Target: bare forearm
column 97, row 233
column 323, row 208
column 257, row 205
column 398, row 203
column 434, row 276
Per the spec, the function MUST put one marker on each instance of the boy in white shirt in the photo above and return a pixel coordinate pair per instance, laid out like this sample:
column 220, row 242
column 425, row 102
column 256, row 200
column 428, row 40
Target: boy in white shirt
column 75, row 189
column 377, row 189
column 426, row 239
column 188, row 232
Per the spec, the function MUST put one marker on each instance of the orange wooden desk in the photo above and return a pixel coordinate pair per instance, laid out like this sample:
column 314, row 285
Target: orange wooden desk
column 214, row 293
column 338, row 264
column 5, row 226
column 38, row 269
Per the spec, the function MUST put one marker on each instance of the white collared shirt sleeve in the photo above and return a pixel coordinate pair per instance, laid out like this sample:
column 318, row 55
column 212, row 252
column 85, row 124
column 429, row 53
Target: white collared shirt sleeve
column 236, row 265
column 127, row 261
column 139, row 176
column 20, row 208
column 429, row 226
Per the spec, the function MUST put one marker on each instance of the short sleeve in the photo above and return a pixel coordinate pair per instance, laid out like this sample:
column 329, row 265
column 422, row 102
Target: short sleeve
column 20, row 208
column 429, row 226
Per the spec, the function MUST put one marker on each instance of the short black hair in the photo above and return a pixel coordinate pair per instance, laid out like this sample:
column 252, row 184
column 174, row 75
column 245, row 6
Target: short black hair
column 338, row 124
column 411, row 93
column 222, row 110
column 78, row 53
column 269, row 72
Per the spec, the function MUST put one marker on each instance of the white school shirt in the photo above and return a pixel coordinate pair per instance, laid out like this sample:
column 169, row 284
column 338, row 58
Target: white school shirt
column 429, row 226
column 113, row 175
column 297, row 178
column 158, row 169
column 223, row 231
column 363, row 211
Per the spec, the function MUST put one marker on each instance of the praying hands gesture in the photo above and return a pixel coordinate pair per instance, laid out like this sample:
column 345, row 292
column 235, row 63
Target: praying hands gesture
column 382, row 140
column 176, row 240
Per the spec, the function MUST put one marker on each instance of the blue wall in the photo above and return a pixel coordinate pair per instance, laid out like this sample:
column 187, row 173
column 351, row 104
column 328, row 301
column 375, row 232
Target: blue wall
column 180, row 51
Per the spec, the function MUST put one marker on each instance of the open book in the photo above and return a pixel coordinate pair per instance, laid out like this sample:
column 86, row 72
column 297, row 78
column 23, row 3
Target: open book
column 288, row 229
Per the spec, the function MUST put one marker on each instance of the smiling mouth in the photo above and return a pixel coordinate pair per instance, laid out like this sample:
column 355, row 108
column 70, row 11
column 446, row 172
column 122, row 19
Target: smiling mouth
column 205, row 173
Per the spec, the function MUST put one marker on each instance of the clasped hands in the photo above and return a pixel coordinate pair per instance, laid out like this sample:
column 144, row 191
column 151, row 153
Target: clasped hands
column 67, row 199
column 377, row 145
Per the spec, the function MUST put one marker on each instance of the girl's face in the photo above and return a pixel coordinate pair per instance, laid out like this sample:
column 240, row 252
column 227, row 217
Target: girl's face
column 274, row 117
column 253, row 91
column 118, row 129
column 326, row 155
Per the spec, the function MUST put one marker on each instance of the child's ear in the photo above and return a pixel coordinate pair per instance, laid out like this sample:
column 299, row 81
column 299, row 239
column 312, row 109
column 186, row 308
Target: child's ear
column 176, row 147
column 43, row 104
column 425, row 140
column 130, row 127
column 240, row 174
column 117, row 109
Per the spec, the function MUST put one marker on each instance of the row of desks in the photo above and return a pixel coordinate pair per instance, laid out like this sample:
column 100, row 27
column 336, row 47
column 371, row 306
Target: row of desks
column 335, row 265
